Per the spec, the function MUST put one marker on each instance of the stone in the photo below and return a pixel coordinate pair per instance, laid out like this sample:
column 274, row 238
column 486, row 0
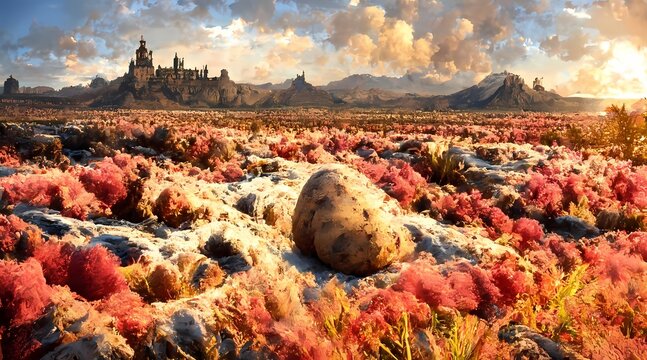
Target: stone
column 341, row 218
column 103, row 346
column 573, row 227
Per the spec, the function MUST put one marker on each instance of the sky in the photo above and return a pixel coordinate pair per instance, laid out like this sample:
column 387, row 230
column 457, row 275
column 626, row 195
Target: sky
column 596, row 48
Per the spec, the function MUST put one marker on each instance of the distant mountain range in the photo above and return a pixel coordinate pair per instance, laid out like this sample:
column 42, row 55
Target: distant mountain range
column 498, row 91
column 406, row 84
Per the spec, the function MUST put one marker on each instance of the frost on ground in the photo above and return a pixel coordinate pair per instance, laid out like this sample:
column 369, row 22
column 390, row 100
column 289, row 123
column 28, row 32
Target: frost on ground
column 255, row 235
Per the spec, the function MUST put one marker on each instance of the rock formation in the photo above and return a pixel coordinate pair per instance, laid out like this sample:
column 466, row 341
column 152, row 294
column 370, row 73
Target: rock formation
column 98, row 82
column 300, row 93
column 340, row 217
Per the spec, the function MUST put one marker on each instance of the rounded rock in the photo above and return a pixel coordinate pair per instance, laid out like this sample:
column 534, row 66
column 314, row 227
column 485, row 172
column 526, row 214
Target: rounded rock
column 342, row 218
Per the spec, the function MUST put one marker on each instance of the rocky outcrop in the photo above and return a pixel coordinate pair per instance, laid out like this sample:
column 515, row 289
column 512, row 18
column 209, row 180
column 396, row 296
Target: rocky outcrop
column 340, row 218
column 300, row 93
column 507, row 91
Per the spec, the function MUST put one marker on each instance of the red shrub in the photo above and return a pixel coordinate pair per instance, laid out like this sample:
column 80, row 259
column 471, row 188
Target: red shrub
column 427, row 284
column 106, row 181
column 509, row 280
column 463, row 291
column 639, row 241
column 9, row 157
column 18, row 236
column 497, row 222
column 530, row 232
column 464, row 208
column 287, row 150
column 397, row 178
column 55, row 189
column 23, row 292
column 402, row 182
column 340, row 142
column 487, row 292
column 392, row 304
column 94, row 273
column 134, row 318
column 567, row 253
column 460, row 286
column 54, row 258
column 373, row 171
column 543, row 194
column 632, row 188
column 619, row 267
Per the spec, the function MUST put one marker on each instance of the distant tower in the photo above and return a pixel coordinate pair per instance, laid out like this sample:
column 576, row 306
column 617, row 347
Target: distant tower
column 143, row 68
column 11, row 86
column 206, row 72
column 224, row 75
column 300, row 81
column 176, row 63
column 537, row 86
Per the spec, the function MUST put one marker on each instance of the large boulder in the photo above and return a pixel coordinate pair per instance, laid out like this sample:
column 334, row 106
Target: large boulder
column 342, row 218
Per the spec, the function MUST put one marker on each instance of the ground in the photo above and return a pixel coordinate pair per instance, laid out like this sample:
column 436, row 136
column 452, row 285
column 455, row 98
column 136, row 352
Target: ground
column 158, row 234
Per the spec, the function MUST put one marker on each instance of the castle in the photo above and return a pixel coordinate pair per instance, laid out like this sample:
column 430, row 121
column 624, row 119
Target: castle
column 141, row 71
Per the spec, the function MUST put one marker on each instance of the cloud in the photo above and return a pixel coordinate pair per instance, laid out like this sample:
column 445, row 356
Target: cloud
column 358, row 20
column 436, row 41
column 253, row 11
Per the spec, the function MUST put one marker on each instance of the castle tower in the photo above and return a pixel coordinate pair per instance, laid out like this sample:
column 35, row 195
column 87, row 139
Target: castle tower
column 206, row 72
column 11, row 86
column 537, row 85
column 176, row 63
column 143, row 68
column 143, row 56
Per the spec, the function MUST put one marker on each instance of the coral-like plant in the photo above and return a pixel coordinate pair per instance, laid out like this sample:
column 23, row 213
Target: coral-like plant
column 106, row 181
column 24, row 293
column 174, row 207
column 94, row 273
column 134, row 317
column 55, row 189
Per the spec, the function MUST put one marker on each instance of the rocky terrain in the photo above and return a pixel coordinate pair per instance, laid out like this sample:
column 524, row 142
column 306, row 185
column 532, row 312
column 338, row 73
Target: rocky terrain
column 312, row 234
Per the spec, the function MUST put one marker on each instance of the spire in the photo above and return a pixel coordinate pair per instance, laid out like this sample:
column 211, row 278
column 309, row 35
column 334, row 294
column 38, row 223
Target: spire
column 142, row 39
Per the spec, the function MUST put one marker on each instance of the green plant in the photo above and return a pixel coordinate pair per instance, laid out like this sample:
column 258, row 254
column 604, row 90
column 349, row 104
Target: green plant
column 466, row 337
column 440, row 166
column 626, row 129
column 399, row 348
column 567, row 289
column 582, row 211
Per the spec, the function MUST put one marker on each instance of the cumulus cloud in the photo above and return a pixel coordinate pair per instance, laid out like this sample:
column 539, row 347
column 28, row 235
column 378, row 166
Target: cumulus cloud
column 253, row 11
column 360, row 20
column 437, row 40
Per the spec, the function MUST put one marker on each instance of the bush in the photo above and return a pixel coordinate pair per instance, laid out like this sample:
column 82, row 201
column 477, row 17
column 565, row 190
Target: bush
column 106, row 181
column 165, row 282
column 56, row 190
column 173, row 207
column 24, row 293
column 530, row 232
column 17, row 238
column 134, row 318
column 397, row 178
column 95, row 273
column 54, row 258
